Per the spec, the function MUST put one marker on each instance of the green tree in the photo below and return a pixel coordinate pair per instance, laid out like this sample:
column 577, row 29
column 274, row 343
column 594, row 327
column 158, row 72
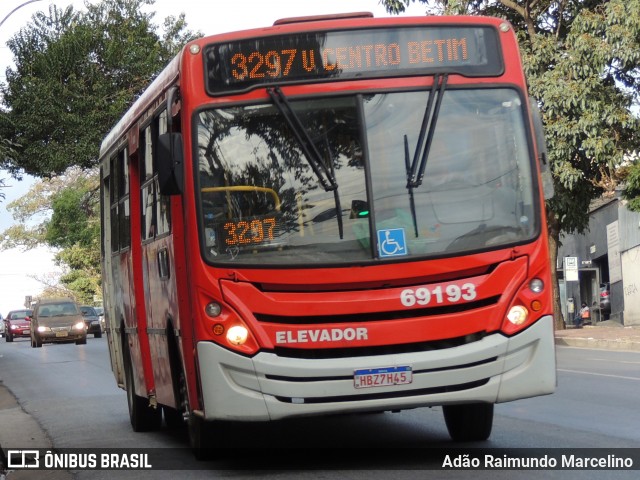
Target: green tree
column 75, row 74
column 62, row 212
column 75, row 217
column 631, row 190
column 74, row 227
column 582, row 61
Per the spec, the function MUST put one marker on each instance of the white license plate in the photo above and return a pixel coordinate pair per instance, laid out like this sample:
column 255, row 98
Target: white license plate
column 62, row 334
column 382, row 377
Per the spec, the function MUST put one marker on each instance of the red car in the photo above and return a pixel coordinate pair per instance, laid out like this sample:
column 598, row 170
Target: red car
column 17, row 323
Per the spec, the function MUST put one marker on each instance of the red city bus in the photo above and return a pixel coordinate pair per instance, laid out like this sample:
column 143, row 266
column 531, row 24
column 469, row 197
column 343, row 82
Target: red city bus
column 333, row 214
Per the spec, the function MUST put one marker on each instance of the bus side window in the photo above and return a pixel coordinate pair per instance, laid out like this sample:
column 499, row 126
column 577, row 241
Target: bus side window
column 155, row 214
column 113, row 202
column 119, row 199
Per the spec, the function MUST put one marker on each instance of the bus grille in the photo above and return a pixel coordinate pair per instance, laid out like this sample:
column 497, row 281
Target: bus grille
column 375, row 317
column 387, row 395
column 327, row 353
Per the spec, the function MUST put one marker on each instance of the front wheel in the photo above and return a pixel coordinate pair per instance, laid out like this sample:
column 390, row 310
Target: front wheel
column 143, row 416
column 9, row 338
column 470, row 422
column 206, row 437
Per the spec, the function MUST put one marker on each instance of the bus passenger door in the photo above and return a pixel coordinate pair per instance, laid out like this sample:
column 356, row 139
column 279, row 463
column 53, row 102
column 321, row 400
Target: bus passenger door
column 108, row 280
column 158, row 263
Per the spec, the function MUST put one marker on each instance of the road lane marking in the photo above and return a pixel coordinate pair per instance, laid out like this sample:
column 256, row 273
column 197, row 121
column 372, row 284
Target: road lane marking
column 614, row 361
column 599, row 374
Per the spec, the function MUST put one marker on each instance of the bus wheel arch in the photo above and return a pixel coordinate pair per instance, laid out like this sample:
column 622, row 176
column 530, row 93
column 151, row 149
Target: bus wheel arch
column 175, row 416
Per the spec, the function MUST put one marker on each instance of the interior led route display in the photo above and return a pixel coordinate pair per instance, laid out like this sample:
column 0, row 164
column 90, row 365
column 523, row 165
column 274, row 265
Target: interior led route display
column 351, row 54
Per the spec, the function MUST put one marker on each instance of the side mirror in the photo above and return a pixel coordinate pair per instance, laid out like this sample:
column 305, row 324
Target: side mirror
column 170, row 164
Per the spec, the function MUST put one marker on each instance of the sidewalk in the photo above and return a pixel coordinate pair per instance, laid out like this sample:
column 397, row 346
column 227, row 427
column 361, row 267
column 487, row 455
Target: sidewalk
column 607, row 335
column 20, row 430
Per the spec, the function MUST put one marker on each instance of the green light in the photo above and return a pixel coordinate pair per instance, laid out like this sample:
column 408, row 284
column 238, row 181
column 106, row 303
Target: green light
column 364, row 213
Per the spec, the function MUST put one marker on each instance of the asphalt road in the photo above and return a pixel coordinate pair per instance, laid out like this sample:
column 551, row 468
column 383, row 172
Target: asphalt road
column 70, row 391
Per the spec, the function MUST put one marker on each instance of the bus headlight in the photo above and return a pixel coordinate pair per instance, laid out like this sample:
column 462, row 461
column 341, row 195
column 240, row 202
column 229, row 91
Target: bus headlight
column 518, row 315
column 237, row 335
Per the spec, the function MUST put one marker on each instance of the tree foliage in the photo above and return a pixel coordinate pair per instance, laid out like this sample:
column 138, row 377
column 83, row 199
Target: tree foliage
column 74, row 227
column 64, row 213
column 75, row 74
column 582, row 60
column 76, row 215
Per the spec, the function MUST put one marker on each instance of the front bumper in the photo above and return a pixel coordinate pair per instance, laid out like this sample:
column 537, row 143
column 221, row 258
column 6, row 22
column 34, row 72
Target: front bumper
column 94, row 326
column 267, row 387
column 20, row 333
column 59, row 337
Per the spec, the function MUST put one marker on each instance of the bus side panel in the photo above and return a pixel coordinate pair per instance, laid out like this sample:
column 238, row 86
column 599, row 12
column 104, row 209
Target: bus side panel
column 109, row 286
column 126, row 311
column 162, row 312
column 144, row 365
column 186, row 247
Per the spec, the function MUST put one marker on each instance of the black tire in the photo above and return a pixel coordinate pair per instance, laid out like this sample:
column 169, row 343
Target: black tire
column 173, row 418
column 9, row 338
column 201, row 439
column 471, row 422
column 143, row 416
column 97, row 335
column 81, row 341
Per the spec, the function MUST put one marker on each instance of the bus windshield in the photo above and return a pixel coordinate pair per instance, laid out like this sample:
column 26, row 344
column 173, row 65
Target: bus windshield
column 262, row 202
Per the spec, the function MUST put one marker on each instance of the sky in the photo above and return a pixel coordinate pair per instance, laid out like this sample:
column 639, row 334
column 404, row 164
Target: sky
column 18, row 269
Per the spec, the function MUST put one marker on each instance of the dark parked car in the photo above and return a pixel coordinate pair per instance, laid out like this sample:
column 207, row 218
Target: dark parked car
column 17, row 323
column 605, row 298
column 57, row 320
column 100, row 312
column 92, row 320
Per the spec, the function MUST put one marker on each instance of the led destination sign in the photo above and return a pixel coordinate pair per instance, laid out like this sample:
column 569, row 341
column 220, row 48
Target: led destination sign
column 351, row 54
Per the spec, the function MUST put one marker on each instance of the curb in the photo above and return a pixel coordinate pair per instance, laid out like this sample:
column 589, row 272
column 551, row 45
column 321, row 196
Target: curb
column 621, row 344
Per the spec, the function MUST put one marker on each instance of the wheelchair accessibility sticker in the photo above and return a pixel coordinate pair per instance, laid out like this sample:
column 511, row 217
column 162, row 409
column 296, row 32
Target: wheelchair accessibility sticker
column 392, row 242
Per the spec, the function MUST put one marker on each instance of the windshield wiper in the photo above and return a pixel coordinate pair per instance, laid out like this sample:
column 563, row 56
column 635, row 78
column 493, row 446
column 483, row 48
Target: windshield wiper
column 314, row 157
column 412, row 201
column 414, row 176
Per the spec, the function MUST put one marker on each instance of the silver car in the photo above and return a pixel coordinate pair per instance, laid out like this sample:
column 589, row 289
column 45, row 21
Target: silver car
column 57, row 320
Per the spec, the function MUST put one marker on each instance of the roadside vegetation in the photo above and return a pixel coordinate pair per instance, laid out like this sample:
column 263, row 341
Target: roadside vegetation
column 75, row 73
